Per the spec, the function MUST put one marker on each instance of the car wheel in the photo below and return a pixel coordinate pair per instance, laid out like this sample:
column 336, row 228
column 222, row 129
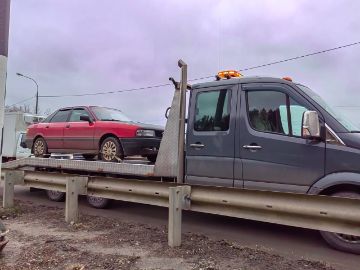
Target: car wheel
column 89, row 156
column 98, row 202
column 111, row 150
column 40, row 148
column 56, row 196
column 343, row 242
column 152, row 158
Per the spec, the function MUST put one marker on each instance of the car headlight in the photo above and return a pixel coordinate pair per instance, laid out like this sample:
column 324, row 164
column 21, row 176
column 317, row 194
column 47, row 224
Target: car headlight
column 145, row 133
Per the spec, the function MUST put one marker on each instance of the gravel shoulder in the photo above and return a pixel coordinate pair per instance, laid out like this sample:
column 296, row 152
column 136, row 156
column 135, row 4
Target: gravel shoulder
column 40, row 239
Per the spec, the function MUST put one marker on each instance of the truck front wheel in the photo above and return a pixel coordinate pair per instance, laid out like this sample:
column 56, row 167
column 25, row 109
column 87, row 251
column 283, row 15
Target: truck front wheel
column 343, row 242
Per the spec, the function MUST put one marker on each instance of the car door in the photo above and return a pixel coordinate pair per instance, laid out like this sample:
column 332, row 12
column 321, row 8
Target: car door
column 54, row 130
column 79, row 134
column 274, row 155
column 210, row 136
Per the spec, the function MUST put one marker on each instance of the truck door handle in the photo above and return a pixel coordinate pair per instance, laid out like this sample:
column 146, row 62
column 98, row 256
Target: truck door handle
column 197, row 145
column 252, row 147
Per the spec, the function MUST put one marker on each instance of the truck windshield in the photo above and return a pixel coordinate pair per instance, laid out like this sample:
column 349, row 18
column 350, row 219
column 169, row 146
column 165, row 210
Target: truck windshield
column 107, row 114
column 348, row 125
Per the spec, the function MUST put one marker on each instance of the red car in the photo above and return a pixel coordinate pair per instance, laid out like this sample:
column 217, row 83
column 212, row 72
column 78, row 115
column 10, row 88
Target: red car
column 93, row 131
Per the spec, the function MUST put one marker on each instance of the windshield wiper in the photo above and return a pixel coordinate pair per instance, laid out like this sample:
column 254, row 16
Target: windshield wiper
column 355, row 131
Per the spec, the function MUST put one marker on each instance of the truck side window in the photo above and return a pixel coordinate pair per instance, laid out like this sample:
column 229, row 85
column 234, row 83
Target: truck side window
column 268, row 111
column 60, row 116
column 76, row 113
column 212, row 111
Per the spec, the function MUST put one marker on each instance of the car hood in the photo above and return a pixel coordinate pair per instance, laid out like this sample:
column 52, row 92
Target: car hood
column 351, row 139
column 148, row 126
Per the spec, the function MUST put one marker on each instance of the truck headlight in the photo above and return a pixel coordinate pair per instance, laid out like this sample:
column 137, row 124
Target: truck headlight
column 145, row 133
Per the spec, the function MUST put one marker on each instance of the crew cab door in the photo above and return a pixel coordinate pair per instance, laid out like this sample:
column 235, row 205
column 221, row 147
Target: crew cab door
column 274, row 155
column 78, row 134
column 210, row 136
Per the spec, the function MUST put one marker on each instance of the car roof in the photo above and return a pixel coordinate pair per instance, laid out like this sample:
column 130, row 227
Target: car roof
column 242, row 80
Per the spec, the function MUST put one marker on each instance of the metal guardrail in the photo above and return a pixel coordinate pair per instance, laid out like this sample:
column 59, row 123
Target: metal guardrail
column 340, row 215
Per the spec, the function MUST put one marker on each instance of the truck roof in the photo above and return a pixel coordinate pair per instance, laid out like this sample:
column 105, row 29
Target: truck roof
column 233, row 81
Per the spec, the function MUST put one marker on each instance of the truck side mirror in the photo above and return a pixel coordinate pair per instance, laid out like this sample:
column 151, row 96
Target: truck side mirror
column 310, row 125
column 85, row 118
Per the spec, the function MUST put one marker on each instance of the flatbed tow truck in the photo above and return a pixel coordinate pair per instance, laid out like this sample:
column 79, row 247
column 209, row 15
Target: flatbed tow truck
column 246, row 137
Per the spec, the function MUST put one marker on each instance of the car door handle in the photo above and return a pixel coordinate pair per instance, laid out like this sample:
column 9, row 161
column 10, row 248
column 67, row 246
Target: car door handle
column 252, row 147
column 67, row 126
column 197, row 145
column 46, row 126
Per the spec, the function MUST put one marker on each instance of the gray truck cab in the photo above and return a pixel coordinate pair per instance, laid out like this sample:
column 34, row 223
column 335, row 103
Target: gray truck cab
column 248, row 132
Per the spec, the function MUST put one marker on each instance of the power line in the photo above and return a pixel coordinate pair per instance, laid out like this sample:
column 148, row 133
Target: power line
column 110, row 92
column 22, row 101
column 207, row 77
column 301, row 56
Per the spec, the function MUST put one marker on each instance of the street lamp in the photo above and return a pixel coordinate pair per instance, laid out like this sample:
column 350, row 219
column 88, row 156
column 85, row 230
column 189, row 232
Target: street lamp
column 37, row 91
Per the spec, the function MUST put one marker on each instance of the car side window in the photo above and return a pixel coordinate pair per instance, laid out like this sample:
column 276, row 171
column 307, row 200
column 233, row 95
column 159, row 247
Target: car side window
column 60, row 116
column 212, row 111
column 268, row 111
column 76, row 113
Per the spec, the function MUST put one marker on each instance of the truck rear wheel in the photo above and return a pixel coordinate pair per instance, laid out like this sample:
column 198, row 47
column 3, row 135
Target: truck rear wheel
column 56, row 196
column 98, row 202
column 40, row 148
column 343, row 242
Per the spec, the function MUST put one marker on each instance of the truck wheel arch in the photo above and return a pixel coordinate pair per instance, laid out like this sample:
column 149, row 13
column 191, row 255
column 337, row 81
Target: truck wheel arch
column 343, row 181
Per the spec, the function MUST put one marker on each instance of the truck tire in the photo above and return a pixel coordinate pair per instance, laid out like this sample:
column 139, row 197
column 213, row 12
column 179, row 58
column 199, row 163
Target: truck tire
column 56, row 196
column 98, row 202
column 111, row 150
column 39, row 147
column 343, row 242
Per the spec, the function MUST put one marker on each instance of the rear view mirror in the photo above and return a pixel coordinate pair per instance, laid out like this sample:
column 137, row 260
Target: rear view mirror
column 310, row 125
column 85, row 118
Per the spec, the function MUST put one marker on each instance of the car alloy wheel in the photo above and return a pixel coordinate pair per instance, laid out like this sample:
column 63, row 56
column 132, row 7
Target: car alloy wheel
column 40, row 147
column 109, row 151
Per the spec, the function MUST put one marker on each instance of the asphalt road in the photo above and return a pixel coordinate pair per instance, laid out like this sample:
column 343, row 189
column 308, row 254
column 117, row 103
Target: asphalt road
column 283, row 240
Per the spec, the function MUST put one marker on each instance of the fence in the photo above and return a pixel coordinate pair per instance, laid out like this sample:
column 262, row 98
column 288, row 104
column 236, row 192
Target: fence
column 341, row 215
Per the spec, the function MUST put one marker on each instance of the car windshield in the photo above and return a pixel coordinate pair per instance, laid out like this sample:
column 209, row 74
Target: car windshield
column 107, row 114
column 348, row 125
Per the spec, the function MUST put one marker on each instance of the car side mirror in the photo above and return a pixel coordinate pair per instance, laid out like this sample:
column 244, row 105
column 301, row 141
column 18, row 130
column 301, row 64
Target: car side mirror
column 310, row 125
column 85, row 118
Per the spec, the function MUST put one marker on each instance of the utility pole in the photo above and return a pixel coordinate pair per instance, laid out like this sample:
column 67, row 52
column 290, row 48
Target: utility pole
column 4, row 43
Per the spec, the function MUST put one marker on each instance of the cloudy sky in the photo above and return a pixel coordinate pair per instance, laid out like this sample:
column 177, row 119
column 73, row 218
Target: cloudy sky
column 89, row 46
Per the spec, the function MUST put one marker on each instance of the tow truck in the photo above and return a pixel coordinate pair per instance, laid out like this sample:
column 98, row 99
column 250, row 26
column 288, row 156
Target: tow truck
column 242, row 132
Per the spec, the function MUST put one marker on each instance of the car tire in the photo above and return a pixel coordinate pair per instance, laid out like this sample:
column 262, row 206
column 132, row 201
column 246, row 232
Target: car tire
column 89, row 156
column 347, row 243
column 40, row 148
column 111, row 150
column 98, row 202
column 56, row 196
column 152, row 158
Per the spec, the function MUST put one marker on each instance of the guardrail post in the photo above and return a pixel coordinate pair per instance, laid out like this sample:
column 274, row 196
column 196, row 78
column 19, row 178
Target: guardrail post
column 178, row 200
column 75, row 186
column 11, row 178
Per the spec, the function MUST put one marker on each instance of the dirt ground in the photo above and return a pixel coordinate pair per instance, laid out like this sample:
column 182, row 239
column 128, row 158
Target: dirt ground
column 40, row 239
